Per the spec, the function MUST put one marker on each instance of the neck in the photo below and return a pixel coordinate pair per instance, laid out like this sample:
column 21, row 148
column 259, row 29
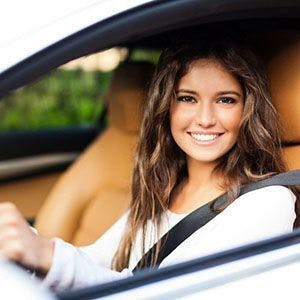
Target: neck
column 200, row 173
column 201, row 187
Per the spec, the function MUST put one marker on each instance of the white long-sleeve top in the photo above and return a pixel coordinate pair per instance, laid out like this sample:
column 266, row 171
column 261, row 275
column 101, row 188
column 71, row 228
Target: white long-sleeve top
column 254, row 216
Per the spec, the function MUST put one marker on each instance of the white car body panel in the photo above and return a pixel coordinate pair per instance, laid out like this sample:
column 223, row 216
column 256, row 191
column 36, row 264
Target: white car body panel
column 16, row 284
column 25, row 32
column 28, row 27
column 271, row 275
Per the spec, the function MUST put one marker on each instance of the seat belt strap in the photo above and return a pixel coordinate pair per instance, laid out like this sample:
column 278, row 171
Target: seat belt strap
column 202, row 215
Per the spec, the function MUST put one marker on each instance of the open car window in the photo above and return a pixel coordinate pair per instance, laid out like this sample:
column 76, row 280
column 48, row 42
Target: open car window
column 151, row 25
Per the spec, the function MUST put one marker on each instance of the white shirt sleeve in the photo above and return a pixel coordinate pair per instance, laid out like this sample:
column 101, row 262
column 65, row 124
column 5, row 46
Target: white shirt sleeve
column 75, row 267
column 261, row 214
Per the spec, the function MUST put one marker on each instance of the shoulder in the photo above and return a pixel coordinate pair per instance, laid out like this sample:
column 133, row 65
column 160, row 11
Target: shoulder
column 254, row 216
column 275, row 196
column 272, row 207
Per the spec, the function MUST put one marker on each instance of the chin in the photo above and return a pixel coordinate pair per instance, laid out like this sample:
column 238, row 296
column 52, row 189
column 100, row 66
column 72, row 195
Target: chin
column 208, row 158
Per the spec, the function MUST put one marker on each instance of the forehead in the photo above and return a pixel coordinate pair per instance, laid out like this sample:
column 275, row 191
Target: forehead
column 204, row 72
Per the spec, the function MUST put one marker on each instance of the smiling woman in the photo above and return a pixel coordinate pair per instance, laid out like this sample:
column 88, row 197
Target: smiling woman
column 205, row 117
column 209, row 128
column 208, row 109
column 178, row 172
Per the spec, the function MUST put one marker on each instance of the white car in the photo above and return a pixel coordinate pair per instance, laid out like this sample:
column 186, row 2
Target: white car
column 38, row 37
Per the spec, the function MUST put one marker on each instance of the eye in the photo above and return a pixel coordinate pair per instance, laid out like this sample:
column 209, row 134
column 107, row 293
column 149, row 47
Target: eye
column 226, row 100
column 188, row 99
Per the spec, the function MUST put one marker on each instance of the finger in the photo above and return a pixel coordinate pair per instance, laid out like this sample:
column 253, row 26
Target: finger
column 7, row 206
column 12, row 251
column 9, row 213
column 9, row 209
column 8, row 220
column 8, row 235
column 11, row 218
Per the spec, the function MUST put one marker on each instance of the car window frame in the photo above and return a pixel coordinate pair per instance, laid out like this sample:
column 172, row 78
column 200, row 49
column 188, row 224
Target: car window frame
column 134, row 24
column 150, row 276
column 115, row 31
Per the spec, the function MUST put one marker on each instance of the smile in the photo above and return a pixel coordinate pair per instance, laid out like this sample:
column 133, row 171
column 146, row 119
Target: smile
column 204, row 138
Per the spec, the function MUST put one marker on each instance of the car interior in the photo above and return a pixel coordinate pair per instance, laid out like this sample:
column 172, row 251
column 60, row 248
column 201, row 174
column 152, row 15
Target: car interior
column 284, row 75
column 99, row 181
column 80, row 203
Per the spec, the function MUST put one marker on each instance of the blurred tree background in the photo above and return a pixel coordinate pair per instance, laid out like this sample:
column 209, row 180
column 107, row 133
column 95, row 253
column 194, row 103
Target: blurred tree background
column 62, row 98
column 66, row 96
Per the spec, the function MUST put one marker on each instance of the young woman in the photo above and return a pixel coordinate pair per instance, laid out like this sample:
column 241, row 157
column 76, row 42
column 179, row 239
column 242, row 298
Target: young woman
column 209, row 127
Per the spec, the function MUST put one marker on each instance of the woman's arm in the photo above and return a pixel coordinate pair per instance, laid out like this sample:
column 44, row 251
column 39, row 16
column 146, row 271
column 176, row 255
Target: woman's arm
column 19, row 243
column 61, row 264
column 74, row 267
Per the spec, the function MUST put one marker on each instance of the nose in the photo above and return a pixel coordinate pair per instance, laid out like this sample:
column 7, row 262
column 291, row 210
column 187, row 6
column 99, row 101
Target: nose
column 206, row 115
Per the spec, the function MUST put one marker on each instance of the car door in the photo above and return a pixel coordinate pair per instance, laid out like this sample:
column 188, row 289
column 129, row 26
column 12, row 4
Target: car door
column 147, row 25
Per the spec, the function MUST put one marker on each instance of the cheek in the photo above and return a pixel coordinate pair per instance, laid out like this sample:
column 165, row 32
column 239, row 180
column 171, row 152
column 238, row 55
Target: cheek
column 179, row 117
column 231, row 119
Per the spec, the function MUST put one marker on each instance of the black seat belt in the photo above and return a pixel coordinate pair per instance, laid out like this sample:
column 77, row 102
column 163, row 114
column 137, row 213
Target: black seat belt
column 202, row 215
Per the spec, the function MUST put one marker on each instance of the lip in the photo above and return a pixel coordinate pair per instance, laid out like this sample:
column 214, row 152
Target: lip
column 205, row 132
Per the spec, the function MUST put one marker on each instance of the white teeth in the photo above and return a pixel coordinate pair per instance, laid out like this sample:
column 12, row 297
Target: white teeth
column 204, row 137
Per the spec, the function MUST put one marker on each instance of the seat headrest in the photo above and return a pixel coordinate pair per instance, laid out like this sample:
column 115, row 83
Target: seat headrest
column 126, row 95
column 284, row 74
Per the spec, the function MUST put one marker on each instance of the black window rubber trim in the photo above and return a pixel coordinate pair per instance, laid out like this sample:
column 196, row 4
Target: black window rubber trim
column 140, row 22
column 20, row 144
column 151, row 276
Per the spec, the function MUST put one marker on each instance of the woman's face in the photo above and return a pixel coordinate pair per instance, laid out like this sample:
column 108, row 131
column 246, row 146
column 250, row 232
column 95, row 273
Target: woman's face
column 206, row 113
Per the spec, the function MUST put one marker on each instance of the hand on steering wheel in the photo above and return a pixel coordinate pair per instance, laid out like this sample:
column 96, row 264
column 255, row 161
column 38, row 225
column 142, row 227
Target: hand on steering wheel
column 19, row 243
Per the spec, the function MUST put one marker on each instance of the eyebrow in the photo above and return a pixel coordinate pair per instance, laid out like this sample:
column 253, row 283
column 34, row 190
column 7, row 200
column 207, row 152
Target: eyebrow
column 229, row 92
column 186, row 91
column 218, row 94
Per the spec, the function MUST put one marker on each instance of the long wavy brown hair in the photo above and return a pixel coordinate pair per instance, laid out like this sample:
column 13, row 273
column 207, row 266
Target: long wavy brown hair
column 160, row 165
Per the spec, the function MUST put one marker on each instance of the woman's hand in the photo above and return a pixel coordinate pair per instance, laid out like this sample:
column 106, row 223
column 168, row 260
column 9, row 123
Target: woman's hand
column 19, row 243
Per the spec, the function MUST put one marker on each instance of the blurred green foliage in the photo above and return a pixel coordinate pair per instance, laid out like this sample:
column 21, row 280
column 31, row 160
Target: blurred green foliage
column 62, row 98
column 145, row 55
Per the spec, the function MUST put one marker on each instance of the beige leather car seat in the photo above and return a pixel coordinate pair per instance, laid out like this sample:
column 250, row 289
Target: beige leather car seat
column 284, row 74
column 95, row 191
